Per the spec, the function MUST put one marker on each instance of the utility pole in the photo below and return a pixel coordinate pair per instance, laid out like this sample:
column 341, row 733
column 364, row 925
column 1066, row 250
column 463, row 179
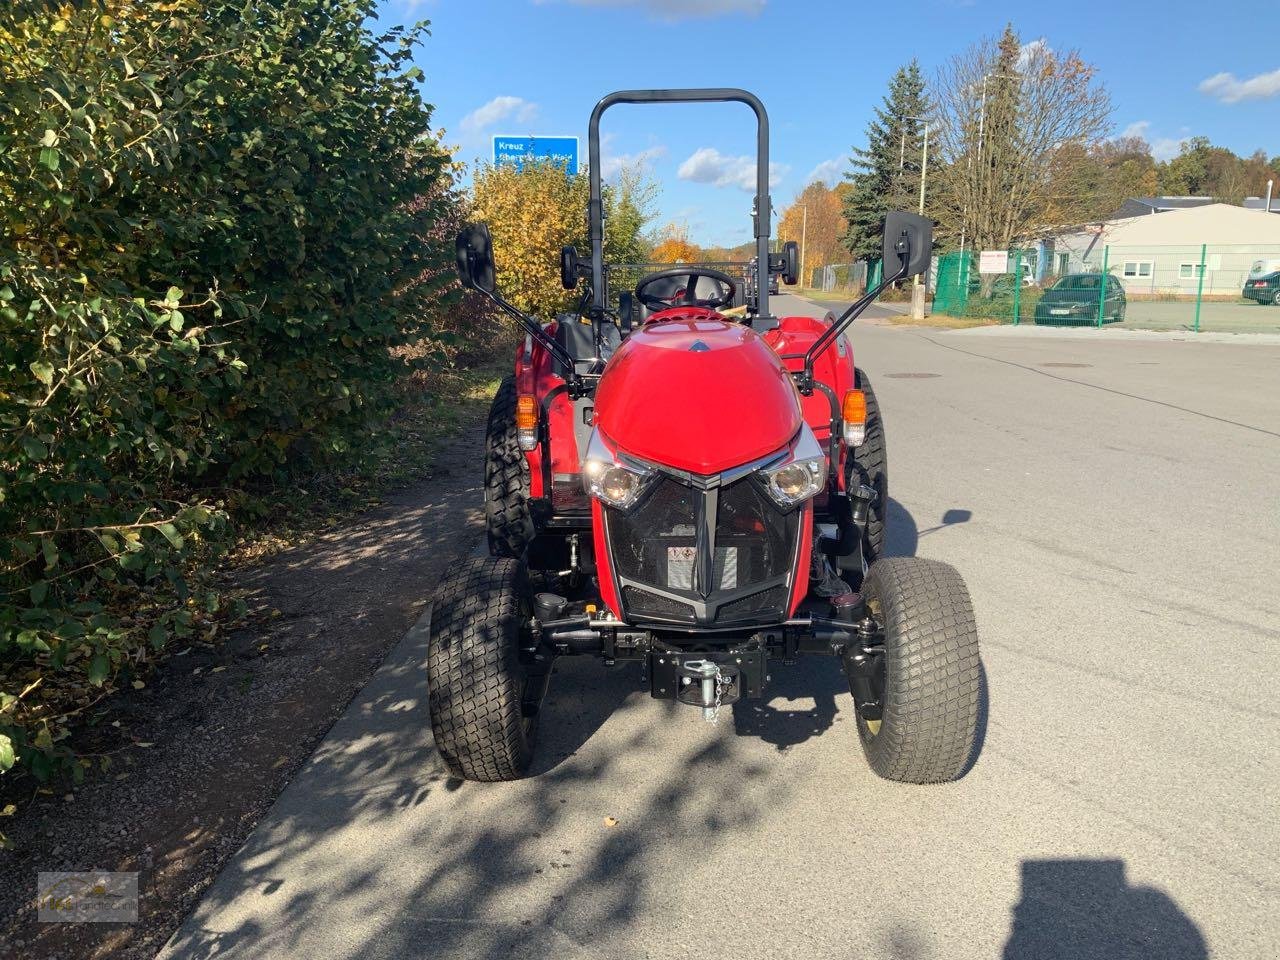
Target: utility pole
column 917, row 292
column 982, row 116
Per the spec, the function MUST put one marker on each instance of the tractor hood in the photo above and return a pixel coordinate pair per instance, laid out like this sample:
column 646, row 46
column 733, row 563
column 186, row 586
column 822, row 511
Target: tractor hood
column 697, row 394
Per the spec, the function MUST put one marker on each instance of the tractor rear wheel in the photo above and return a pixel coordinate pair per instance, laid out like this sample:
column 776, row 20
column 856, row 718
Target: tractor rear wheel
column 928, row 680
column 483, row 697
column 869, row 465
column 506, row 479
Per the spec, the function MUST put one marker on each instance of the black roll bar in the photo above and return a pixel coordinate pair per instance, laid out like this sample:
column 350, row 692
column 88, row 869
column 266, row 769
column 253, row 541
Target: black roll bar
column 595, row 209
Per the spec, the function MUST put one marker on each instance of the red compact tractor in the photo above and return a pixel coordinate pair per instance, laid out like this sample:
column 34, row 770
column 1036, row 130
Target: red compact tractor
column 690, row 482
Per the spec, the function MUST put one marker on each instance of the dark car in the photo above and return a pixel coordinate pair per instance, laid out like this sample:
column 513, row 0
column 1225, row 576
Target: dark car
column 1264, row 289
column 1075, row 298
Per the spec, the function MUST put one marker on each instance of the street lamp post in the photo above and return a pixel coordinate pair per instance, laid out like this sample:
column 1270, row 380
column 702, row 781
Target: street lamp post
column 982, row 117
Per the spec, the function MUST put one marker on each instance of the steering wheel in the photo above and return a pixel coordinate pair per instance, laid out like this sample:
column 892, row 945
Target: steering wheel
column 662, row 291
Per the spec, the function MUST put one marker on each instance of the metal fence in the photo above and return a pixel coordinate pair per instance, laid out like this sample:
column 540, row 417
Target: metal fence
column 1221, row 287
column 840, row 277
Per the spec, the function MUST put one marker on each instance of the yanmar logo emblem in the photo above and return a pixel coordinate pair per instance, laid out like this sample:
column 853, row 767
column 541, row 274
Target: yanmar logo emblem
column 698, row 347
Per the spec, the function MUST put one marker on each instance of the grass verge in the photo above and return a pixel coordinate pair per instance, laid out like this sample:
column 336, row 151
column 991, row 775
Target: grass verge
column 943, row 322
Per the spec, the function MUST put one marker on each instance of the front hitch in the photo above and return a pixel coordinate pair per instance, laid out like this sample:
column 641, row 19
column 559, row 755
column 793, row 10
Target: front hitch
column 708, row 680
column 709, row 685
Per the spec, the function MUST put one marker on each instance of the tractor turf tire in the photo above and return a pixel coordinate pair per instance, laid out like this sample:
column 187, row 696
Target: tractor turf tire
column 932, row 671
column 506, row 479
column 475, row 679
column 870, row 465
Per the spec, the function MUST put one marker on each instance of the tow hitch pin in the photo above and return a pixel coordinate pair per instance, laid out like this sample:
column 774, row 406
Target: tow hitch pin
column 707, row 673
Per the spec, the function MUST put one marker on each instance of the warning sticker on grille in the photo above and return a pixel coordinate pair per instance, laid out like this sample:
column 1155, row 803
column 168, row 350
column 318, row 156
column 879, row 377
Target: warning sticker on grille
column 680, row 567
column 680, row 562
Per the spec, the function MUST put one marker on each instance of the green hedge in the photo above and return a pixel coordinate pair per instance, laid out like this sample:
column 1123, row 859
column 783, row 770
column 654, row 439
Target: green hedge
column 217, row 216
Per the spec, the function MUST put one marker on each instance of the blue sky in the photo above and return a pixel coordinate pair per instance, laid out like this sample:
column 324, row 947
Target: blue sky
column 1174, row 69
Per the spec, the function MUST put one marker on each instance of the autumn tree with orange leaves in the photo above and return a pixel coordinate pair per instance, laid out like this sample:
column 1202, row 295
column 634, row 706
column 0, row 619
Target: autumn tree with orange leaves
column 674, row 246
column 815, row 221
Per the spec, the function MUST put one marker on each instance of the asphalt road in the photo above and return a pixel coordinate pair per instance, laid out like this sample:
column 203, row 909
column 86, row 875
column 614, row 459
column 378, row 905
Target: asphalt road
column 1113, row 505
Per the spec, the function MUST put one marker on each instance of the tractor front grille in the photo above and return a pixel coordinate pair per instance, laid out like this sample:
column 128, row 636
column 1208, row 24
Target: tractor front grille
column 645, row 604
column 751, row 607
column 759, row 537
column 657, row 533
column 655, row 548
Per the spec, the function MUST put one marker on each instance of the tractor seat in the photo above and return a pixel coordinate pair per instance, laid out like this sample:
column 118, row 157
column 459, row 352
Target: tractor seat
column 578, row 340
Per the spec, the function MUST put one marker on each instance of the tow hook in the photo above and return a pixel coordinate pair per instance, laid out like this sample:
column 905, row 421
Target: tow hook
column 702, row 684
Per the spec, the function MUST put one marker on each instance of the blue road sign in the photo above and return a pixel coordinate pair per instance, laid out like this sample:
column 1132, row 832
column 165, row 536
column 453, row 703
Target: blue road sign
column 516, row 151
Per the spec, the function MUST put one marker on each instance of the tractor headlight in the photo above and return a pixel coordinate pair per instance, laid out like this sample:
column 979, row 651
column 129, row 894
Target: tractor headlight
column 605, row 476
column 613, row 483
column 796, row 481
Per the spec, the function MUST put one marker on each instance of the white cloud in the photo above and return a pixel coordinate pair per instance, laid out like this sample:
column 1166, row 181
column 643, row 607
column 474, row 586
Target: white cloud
column 1162, row 148
column 497, row 110
column 672, row 10
column 828, row 171
column 1225, row 87
column 1032, row 51
column 1166, row 148
column 611, row 163
column 709, row 165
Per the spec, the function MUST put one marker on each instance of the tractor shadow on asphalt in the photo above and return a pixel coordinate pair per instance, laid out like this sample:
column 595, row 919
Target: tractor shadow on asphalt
column 785, row 719
column 583, row 695
column 1086, row 908
column 373, row 851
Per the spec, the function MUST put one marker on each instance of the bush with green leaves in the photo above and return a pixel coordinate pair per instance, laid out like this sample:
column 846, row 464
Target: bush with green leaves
column 215, row 221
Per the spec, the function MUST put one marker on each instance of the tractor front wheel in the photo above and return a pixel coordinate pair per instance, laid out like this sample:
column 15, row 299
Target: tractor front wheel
column 484, row 695
column 868, row 464
column 506, row 478
column 919, row 723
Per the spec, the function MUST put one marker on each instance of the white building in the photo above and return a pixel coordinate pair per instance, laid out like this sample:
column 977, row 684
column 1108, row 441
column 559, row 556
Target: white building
column 1163, row 253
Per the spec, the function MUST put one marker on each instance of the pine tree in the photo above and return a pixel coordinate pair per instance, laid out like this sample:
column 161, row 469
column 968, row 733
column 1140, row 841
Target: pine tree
column 886, row 173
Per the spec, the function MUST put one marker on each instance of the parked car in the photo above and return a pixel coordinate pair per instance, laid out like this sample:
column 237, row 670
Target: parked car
column 1263, row 283
column 1074, row 300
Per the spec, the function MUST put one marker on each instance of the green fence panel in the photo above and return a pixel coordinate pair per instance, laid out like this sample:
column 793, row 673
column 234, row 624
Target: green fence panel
column 951, row 290
column 1016, row 259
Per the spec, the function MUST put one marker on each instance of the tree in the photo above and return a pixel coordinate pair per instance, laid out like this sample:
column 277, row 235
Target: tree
column 629, row 208
column 886, row 172
column 534, row 211
column 674, row 246
column 1202, row 170
column 213, row 214
column 1124, row 168
column 1017, row 128
column 816, row 219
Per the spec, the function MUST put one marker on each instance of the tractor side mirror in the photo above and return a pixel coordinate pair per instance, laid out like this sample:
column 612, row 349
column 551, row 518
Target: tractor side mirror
column 474, row 248
column 790, row 263
column 568, row 267
column 626, row 311
column 908, row 241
